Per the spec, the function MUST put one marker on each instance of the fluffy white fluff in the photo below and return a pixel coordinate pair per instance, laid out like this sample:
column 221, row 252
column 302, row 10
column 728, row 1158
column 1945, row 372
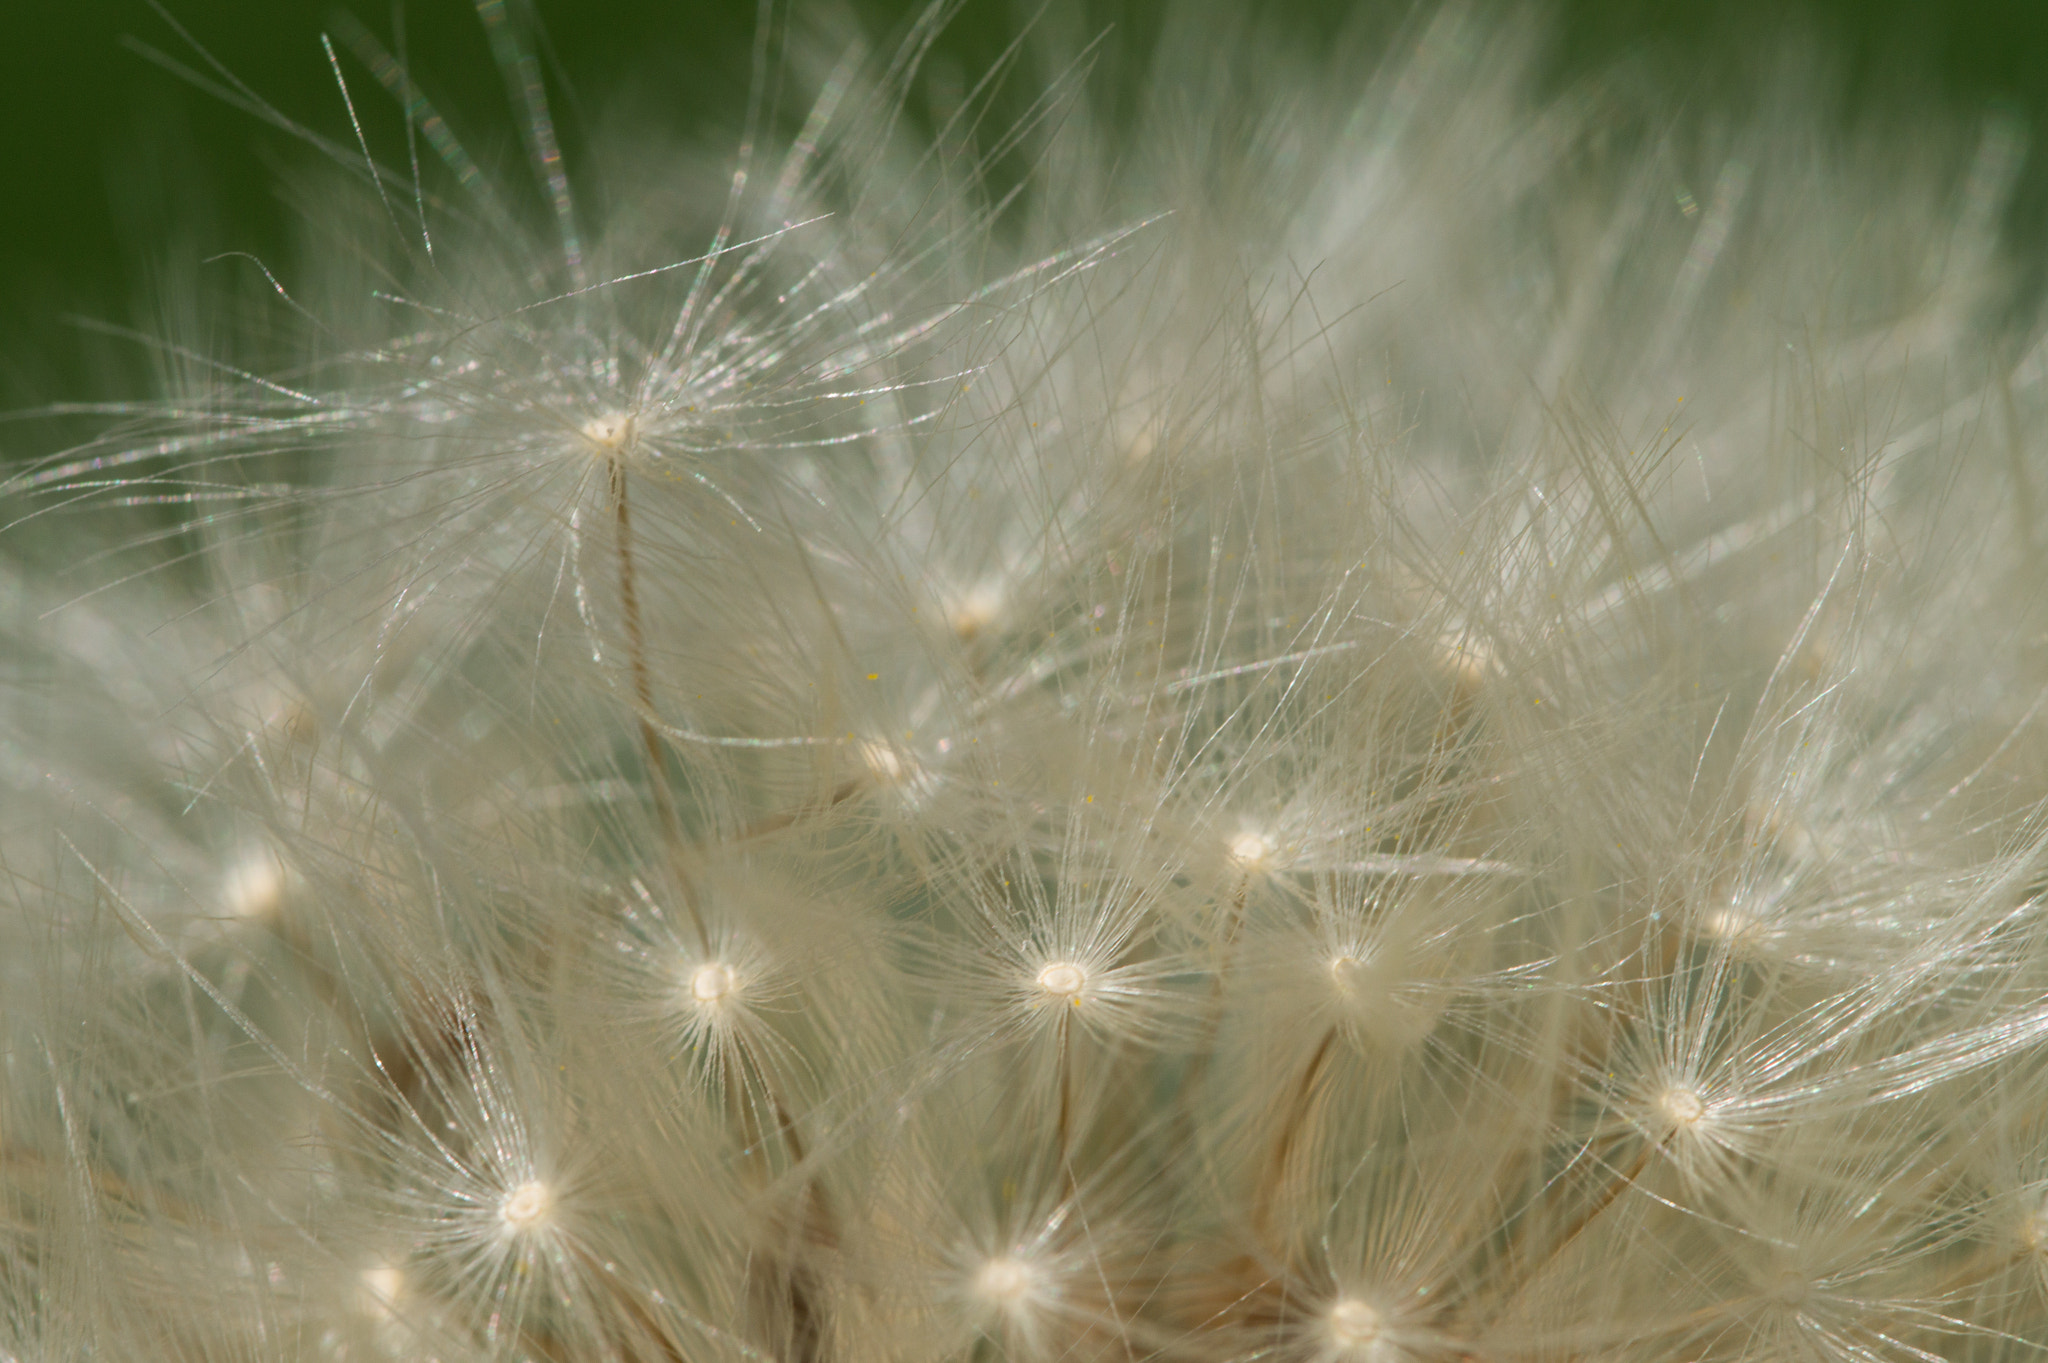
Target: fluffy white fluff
column 1374, row 718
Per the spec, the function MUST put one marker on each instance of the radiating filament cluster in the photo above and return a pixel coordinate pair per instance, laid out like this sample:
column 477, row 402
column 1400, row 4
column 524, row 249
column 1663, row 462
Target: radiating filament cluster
column 1338, row 718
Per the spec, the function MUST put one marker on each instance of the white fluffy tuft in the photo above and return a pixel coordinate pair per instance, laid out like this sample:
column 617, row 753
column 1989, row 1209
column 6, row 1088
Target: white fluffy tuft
column 1355, row 717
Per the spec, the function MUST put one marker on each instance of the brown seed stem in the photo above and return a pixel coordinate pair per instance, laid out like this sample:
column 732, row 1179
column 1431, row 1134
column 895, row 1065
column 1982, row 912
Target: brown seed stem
column 643, row 689
column 1283, row 1145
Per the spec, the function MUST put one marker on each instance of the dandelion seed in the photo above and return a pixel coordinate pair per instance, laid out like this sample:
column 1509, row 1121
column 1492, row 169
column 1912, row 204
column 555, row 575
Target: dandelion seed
column 1347, row 973
column 912, row 781
column 1467, row 657
column 2034, row 1229
column 1250, row 849
column 612, row 434
column 1354, row 1325
column 882, row 762
column 1006, row 1283
column 974, row 611
column 714, row 984
column 1229, row 981
column 378, row 1290
column 253, row 890
column 1064, row 980
column 1788, row 1289
column 526, row 1207
column 1681, row 1107
column 1740, row 929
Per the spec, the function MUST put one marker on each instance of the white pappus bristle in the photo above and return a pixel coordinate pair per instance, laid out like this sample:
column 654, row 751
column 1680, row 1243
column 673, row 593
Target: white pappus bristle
column 1344, row 706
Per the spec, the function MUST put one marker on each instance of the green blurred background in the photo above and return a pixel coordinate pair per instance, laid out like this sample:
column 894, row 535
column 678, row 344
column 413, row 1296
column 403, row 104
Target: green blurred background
column 118, row 176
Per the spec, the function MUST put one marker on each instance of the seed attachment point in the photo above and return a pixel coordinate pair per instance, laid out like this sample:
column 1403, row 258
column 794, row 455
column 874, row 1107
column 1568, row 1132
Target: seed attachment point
column 1004, row 1282
column 526, row 1207
column 254, row 888
column 611, row 435
column 1251, row 849
column 1681, row 1107
column 2034, row 1229
column 975, row 610
column 714, row 984
column 1354, row 1324
column 1064, row 980
column 378, row 1289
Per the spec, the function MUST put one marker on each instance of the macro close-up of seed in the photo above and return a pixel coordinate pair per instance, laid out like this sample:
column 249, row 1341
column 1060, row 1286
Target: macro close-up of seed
column 1367, row 686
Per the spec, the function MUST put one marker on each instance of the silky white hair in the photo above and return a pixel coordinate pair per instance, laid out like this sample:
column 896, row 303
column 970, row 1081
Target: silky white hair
column 1378, row 713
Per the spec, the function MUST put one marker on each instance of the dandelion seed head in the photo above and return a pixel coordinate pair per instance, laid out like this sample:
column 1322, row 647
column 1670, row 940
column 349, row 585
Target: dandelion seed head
column 1251, row 849
column 1064, row 980
column 527, row 1207
column 1736, row 926
column 1681, row 1107
column 1222, row 802
column 1354, row 1324
column 254, row 887
column 882, row 762
column 1380, row 996
column 612, row 434
column 1466, row 657
column 378, row 1289
column 895, row 770
column 1006, row 1282
column 2034, row 1228
column 1788, row 1288
column 714, row 984
column 976, row 609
